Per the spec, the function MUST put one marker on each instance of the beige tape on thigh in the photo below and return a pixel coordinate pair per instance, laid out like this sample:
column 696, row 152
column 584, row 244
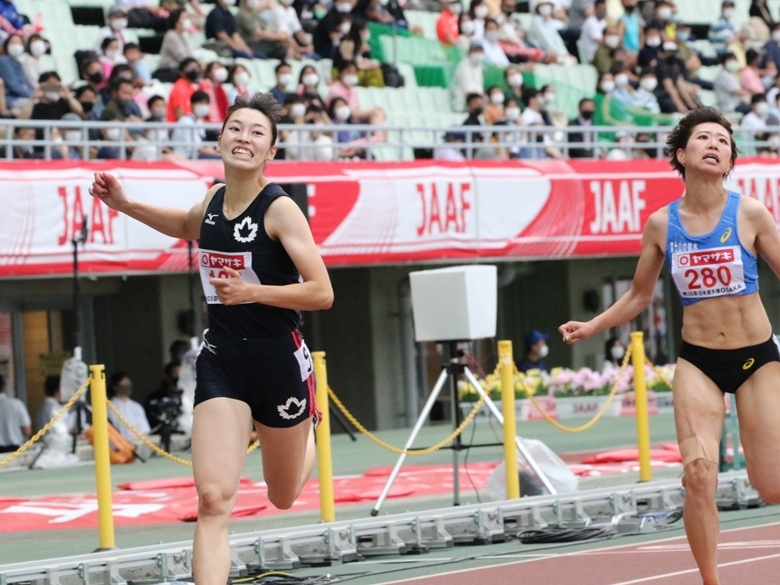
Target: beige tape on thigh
column 699, row 448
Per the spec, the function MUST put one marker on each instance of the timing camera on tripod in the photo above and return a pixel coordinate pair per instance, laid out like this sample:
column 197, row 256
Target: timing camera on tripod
column 166, row 410
column 452, row 305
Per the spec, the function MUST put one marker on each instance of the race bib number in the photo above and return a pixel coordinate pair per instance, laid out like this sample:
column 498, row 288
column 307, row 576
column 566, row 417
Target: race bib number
column 709, row 273
column 304, row 361
column 213, row 264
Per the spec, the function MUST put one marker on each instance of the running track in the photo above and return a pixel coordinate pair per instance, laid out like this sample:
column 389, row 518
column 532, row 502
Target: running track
column 745, row 555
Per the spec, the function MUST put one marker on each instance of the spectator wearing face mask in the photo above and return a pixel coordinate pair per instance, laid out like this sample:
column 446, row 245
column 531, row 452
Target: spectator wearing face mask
column 648, row 54
column 122, row 106
column 772, row 48
column 349, row 141
column 544, row 34
column 222, row 33
column 215, row 75
column 675, row 94
column 113, row 137
column 175, row 47
column 188, row 136
column 644, row 96
column 309, row 82
column 468, row 77
column 284, row 79
column 354, row 47
column 284, row 19
column 18, row 90
column 586, row 138
column 344, row 88
column 494, row 111
column 255, row 29
column 663, row 19
column 239, row 77
column 513, row 78
column 751, row 75
column 181, row 92
column 536, row 350
column 755, row 120
column 121, row 388
column 604, row 56
column 494, row 53
column 592, row 33
column 447, row 23
column 614, row 350
column 631, row 23
column 722, row 33
column 135, row 58
column 31, row 58
column 478, row 11
column 324, row 33
column 729, row 95
column 609, row 111
column 117, row 23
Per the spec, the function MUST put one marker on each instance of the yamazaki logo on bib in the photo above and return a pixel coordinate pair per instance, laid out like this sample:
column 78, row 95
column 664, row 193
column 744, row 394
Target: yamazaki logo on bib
column 709, row 273
column 213, row 264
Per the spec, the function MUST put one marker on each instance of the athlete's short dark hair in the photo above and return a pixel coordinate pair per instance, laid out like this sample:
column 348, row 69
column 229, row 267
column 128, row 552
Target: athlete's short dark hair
column 265, row 103
column 679, row 137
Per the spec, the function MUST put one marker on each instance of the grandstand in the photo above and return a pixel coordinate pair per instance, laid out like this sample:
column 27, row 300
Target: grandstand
column 420, row 111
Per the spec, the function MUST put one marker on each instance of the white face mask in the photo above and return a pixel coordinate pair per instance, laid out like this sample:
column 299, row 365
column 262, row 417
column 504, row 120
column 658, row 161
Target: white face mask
column 342, row 113
column 241, row 78
column 515, row 80
column 311, row 79
column 111, row 54
column 512, row 113
column 201, row 110
column 492, row 36
column 549, row 98
column 455, row 8
column 732, row 65
column 37, row 48
column 664, row 13
column 776, row 36
column 114, row 134
column 350, row 80
column 545, row 10
column 481, row 11
column 297, row 110
column 345, row 26
column 612, row 41
column 653, row 41
column 186, row 24
column 728, row 13
column 607, row 86
column 52, row 96
column 15, row 50
column 119, row 23
column 344, row 7
column 762, row 109
column 649, row 83
column 220, row 75
column 621, row 80
column 285, row 79
column 617, row 352
column 72, row 135
column 467, row 27
column 477, row 58
column 543, row 351
column 497, row 98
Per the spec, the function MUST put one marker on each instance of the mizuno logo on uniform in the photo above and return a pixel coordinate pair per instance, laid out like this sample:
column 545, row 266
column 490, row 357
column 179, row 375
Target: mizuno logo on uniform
column 210, row 218
column 246, row 231
column 726, row 235
column 748, row 364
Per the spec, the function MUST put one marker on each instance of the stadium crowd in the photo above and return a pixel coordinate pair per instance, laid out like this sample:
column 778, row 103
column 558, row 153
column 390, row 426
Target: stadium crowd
column 650, row 68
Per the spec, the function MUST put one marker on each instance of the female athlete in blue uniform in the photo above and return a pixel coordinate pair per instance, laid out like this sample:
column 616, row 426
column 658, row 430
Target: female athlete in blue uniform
column 259, row 267
column 711, row 239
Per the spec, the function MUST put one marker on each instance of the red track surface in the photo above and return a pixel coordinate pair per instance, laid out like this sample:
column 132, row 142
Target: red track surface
column 746, row 556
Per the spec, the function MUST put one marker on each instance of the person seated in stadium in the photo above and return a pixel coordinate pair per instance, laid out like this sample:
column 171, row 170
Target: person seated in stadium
column 190, row 76
column 340, row 27
column 117, row 23
column 214, row 76
column 465, row 31
column 51, row 100
column 111, row 139
column 644, row 96
column 18, row 89
column 121, row 388
column 512, row 111
column 544, row 32
column 648, row 54
column 69, row 140
column 351, row 142
column 110, row 56
column 447, row 25
column 675, row 93
column 513, row 78
column 771, row 50
column 309, row 82
column 88, row 98
column 135, row 58
column 662, row 16
column 630, row 24
column 223, row 34
column 25, row 151
column 143, row 14
column 284, row 79
column 354, row 48
column 175, row 46
column 592, row 32
column 609, row 112
column 479, row 12
column 536, row 114
column 494, row 52
column 283, row 19
column 750, row 78
column 311, row 145
column 468, row 77
column 730, row 97
column 51, row 404
column 344, row 88
column 14, row 419
column 190, row 132
column 257, row 33
column 450, row 150
column 584, row 139
column 723, row 32
column 494, row 111
column 755, row 120
column 32, row 64
column 608, row 50
column 327, row 30
column 624, row 92
column 239, row 77
column 197, row 13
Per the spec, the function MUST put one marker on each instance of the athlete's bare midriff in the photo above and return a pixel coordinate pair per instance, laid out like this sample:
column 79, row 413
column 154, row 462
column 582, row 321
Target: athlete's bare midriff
column 726, row 322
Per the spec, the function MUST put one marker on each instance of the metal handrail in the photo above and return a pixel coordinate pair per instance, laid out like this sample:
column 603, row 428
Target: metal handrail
column 376, row 140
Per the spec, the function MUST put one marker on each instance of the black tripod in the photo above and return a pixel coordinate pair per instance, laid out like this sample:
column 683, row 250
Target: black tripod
column 81, row 409
column 451, row 371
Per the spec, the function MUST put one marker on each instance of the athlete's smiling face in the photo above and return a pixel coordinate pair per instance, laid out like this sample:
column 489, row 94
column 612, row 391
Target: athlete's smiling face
column 247, row 139
column 708, row 150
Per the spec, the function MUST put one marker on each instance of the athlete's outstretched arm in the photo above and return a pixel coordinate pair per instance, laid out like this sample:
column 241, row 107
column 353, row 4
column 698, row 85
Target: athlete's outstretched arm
column 177, row 223
column 639, row 296
column 285, row 222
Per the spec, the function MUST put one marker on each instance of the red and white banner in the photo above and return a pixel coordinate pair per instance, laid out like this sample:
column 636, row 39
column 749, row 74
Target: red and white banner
column 361, row 213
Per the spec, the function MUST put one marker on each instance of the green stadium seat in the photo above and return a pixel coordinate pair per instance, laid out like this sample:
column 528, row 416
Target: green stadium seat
column 425, row 20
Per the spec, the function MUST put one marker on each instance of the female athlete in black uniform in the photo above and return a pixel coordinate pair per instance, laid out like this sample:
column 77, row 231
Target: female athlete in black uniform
column 259, row 267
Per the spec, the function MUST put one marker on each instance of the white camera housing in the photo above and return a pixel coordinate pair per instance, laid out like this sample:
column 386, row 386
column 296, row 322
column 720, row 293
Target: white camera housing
column 454, row 304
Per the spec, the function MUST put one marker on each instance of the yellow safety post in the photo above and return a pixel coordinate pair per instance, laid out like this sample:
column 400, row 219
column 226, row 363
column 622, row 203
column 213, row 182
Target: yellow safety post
column 640, row 395
column 506, row 365
column 324, row 459
column 102, row 461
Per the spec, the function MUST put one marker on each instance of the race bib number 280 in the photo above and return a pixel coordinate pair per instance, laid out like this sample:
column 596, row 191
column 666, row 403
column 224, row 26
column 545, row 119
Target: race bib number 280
column 709, row 273
column 213, row 264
